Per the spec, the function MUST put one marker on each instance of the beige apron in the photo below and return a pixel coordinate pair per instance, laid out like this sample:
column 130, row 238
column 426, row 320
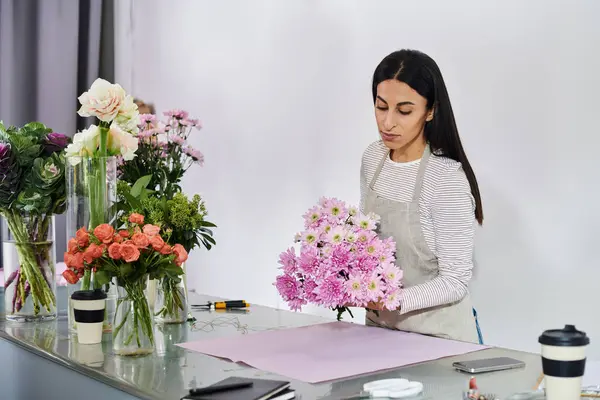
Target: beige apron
column 402, row 221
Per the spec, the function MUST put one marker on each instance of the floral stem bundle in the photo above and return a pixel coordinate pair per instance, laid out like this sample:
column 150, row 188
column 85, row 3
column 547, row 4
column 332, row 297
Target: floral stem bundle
column 342, row 261
column 34, row 254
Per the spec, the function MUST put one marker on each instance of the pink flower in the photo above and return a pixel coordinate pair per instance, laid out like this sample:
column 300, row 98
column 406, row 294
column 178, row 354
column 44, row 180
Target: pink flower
column 309, row 290
column 177, row 140
column 177, row 114
column 288, row 261
column 341, row 257
column 392, row 300
column 336, row 235
column 310, row 237
column 391, row 274
column 356, row 290
column 309, row 260
column 195, row 155
column 331, row 291
column 288, row 287
column 312, row 217
column 374, row 287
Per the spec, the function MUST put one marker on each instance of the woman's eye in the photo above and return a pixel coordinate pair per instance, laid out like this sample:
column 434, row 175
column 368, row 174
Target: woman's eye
column 404, row 112
column 381, row 108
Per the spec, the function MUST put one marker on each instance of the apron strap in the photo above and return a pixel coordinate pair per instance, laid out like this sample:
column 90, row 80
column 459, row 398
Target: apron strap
column 378, row 170
column 421, row 173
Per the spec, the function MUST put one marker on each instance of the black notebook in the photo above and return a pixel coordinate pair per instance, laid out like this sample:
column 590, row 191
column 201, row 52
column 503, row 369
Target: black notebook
column 262, row 389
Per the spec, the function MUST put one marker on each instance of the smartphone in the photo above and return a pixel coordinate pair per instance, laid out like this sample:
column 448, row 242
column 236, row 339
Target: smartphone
column 488, row 365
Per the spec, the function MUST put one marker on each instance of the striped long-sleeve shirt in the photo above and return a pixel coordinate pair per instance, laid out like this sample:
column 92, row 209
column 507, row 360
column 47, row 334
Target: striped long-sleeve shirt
column 447, row 220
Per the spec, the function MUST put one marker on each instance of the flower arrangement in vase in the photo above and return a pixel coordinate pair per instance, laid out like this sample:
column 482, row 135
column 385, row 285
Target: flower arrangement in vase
column 130, row 255
column 92, row 164
column 150, row 185
column 32, row 191
column 342, row 261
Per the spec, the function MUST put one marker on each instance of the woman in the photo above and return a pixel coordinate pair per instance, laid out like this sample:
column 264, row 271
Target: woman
column 418, row 179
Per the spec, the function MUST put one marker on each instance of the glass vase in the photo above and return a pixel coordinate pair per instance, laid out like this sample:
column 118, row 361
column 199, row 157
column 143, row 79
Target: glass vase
column 28, row 257
column 91, row 199
column 170, row 305
column 132, row 327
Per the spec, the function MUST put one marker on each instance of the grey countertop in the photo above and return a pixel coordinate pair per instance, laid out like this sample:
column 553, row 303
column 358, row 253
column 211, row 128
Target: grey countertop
column 171, row 370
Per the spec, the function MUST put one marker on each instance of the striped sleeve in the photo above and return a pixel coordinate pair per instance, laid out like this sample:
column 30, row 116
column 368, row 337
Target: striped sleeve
column 452, row 214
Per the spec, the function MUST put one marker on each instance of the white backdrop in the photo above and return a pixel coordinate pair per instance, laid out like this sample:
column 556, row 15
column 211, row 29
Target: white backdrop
column 283, row 88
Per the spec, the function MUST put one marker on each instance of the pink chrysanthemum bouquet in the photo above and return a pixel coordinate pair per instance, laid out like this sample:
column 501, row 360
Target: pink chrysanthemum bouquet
column 342, row 261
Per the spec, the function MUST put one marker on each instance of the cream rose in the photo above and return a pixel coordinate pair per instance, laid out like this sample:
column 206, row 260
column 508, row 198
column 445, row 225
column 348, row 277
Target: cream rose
column 85, row 143
column 129, row 116
column 103, row 100
column 121, row 142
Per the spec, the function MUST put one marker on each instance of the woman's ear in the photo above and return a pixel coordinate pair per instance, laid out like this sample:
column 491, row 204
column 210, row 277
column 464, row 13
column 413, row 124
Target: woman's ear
column 430, row 114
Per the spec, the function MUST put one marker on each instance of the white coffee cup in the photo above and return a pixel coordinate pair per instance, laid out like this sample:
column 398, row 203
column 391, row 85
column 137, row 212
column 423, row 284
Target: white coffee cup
column 563, row 362
column 89, row 310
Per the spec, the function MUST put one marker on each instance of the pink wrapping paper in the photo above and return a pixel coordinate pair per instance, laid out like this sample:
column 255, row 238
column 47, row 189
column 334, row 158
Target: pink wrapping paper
column 329, row 351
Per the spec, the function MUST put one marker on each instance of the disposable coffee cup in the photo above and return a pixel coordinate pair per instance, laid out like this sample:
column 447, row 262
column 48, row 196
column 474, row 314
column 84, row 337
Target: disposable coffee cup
column 563, row 362
column 88, row 311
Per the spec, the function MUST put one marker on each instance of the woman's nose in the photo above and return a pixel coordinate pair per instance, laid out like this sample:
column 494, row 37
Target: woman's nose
column 388, row 122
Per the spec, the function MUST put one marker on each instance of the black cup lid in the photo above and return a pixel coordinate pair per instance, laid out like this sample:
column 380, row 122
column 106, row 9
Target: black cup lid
column 568, row 336
column 97, row 294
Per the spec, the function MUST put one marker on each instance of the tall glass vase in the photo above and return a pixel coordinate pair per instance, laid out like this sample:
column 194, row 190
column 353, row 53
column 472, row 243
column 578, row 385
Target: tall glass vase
column 28, row 256
column 91, row 197
column 132, row 327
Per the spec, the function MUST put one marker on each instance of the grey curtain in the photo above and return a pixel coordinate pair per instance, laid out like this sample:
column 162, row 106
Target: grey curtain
column 50, row 52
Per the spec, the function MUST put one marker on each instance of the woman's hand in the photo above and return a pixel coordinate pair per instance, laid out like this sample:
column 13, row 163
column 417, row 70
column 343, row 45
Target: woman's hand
column 376, row 306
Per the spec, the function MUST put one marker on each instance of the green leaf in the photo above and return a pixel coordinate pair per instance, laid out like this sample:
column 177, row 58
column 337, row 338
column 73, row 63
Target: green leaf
column 140, row 184
column 133, row 202
column 208, row 224
column 101, row 277
column 209, row 238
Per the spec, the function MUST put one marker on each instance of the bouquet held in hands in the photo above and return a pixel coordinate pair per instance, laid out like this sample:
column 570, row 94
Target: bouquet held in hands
column 342, row 262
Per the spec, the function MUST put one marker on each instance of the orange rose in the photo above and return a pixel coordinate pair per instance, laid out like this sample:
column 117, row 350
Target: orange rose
column 77, row 261
column 104, row 233
column 157, row 242
column 181, row 254
column 70, row 276
column 151, row 230
column 83, row 237
column 140, row 240
column 73, row 246
column 129, row 252
column 166, row 249
column 118, row 239
column 124, row 234
column 136, row 218
column 114, row 251
column 92, row 252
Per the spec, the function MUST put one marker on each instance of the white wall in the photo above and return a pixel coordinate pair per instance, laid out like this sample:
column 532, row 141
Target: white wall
column 283, row 88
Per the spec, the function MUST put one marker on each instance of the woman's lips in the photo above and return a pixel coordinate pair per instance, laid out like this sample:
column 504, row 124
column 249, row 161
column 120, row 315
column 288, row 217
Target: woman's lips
column 389, row 137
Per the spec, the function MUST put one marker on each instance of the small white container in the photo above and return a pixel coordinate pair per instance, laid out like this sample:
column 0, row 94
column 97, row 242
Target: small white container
column 89, row 310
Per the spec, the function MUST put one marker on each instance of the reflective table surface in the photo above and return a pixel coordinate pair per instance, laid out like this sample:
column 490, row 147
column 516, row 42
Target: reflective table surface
column 171, row 371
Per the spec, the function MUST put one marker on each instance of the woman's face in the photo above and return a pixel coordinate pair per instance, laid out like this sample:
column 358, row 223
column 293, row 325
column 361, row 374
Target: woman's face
column 401, row 114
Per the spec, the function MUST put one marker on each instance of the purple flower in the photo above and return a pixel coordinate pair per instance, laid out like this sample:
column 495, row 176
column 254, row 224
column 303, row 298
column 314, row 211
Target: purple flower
column 55, row 142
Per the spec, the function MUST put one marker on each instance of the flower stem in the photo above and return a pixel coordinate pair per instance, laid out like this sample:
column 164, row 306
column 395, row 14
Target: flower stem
column 33, row 248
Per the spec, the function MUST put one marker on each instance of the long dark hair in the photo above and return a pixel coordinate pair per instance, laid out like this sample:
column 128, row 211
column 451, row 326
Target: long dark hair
column 421, row 73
